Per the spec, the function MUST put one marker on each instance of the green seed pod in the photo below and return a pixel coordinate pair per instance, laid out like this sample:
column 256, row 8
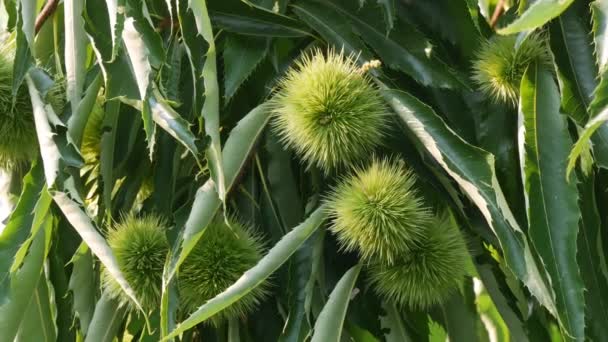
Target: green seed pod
column 377, row 212
column 429, row 273
column 18, row 142
column 140, row 247
column 328, row 111
column 501, row 64
column 218, row 260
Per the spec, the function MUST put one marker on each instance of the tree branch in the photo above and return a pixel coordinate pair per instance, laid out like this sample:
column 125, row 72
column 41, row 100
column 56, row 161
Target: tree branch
column 48, row 9
column 500, row 6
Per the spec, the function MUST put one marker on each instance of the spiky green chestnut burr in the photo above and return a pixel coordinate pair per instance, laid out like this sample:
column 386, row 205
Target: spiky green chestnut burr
column 218, row 260
column 328, row 110
column 18, row 142
column 377, row 212
column 140, row 247
column 501, row 64
column 427, row 274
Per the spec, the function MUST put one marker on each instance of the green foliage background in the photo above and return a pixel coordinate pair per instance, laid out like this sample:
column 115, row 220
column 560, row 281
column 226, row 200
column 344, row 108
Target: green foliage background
column 167, row 112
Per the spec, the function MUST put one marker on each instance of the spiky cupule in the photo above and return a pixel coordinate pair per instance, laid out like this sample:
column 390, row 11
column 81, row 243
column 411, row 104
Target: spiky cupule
column 140, row 247
column 328, row 110
column 222, row 255
column 18, row 142
column 377, row 211
column 428, row 274
column 501, row 63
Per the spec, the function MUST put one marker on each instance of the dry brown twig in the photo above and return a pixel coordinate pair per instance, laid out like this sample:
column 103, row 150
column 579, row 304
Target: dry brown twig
column 48, row 9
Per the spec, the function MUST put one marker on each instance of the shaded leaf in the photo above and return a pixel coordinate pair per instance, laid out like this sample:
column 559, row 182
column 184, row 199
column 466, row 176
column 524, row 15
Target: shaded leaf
column 245, row 18
column 397, row 331
column 83, row 286
column 335, row 28
column 328, row 327
column 211, row 108
column 14, row 234
column 590, row 253
column 106, row 321
column 388, row 8
column 404, row 48
column 241, row 56
column 38, row 324
column 24, row 282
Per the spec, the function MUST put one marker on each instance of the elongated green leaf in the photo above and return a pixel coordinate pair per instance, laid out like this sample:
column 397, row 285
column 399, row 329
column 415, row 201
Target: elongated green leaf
column 328, row 327
column 298, row 327
column 24, row 281
column 80, row 115
column 15, row 232
column 551, row 198
column 82, row 285
column 583, row 142
column 172, row 122
column 241, row 56
column 206, row 203
column 573, row 51
column 388, row 7
column 332, row 26
column 473, row 169
column 23, row 50
column 590, row 254
column 106, row 321
column 211, row 108
column 404, row 49
column 460, row 316
column 536, row 15
column 107, row 148
column 116, row 11
column 597, row 107
column 500, row 295
column 38, row 324
column 58, row 279
column 28, row 18
column 246, row 18
column 256, row 275
column 394, row 323
column 142, row 69
column 75, row 50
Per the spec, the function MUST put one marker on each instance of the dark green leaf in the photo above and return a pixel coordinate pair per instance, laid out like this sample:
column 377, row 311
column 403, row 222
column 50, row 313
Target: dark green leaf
column 38, row 324
column 241, row 56
column 245, row 18
column 328, row 327
column 590, row 254
column 83, row 286
column 404, row 49
column 551, row 197
column 106, row 321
